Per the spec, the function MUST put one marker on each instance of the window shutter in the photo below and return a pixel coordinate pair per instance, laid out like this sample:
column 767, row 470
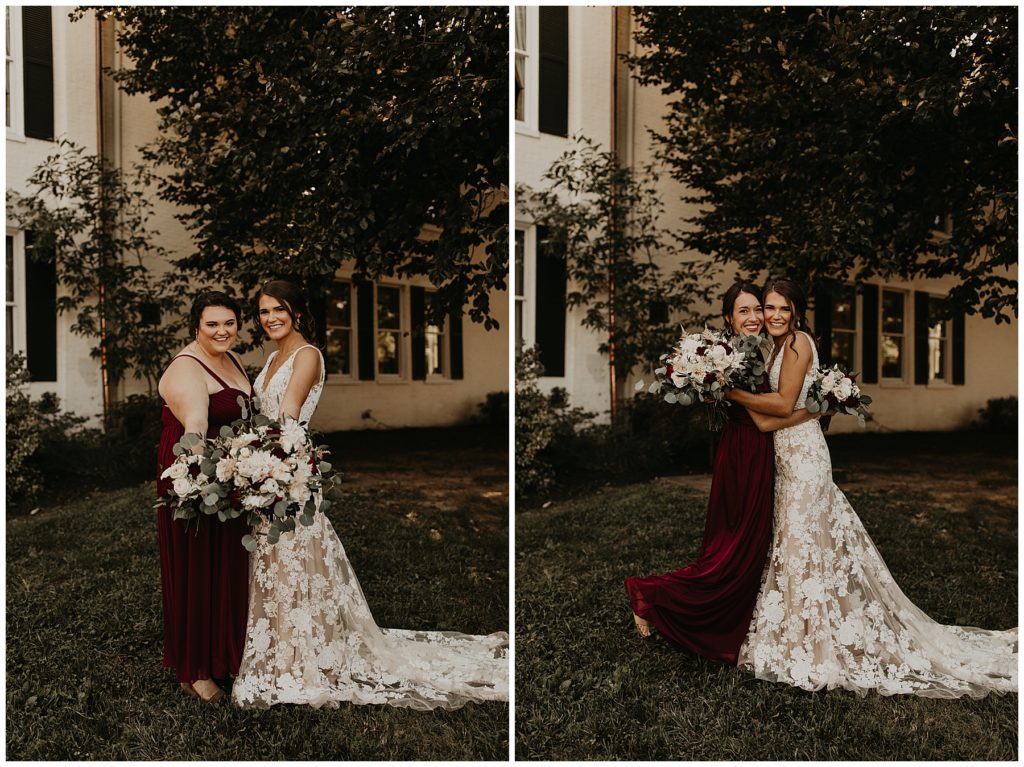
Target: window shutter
column 419, row 334
column 869, row 324
column 366, row 341
column 550, row 312
column 959, row 369
column 455, row 344
column 920, row 337
column 40, row 312
column 553, row 71
column 823, row 322
column 318, row 308
column 37, row 62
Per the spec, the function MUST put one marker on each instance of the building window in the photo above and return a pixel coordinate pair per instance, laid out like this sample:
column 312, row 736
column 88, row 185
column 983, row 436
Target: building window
column 340, row 329
column 520, row 286
column 14, row 73
column 553, row 73
column 37, row 71
column 389, row 330
column 844, row 326
column 11, row 305
column 893, row 340
column 434, row 340
column 938, row 342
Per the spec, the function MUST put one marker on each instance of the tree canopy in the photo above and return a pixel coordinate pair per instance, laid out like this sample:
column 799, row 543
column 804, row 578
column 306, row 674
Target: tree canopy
column 299, row 138
column 845, row 143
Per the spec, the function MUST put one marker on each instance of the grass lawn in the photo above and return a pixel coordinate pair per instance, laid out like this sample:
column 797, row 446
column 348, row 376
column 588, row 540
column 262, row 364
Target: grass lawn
column 589, row 688
column 84, row 632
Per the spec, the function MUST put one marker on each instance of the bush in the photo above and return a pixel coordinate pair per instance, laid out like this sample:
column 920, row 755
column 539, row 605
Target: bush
column 37, row 435
column 494, row 409
column 999, row 415
column 545, row 425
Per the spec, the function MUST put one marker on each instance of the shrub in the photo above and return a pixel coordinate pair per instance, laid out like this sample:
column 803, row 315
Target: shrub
column 37, row 433
column 544, row 423
column 999, row 415
column 494, row 409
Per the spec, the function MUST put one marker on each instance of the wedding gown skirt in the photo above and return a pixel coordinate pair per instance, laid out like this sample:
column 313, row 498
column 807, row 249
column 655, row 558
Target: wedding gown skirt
column 312, row 639
column 830, row 614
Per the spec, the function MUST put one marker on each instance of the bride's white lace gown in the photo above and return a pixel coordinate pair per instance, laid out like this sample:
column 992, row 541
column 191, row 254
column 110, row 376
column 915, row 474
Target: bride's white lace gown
column 311, row 638
column 829, row 614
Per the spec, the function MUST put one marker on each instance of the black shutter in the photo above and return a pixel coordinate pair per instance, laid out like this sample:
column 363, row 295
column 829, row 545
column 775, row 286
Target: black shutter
column 553, row 71
column 417, row 305
column 455, row 344
column 869, row 325
column 823, row 322
column 40, row 312
column 37, row 62
column 367, row 343
column 959, row 369
column 318, row 308
column 550, row 312
column 920, row 337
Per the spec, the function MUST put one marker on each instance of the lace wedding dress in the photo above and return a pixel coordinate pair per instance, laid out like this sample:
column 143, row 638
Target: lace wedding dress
column 829, row 614
column 311, row 638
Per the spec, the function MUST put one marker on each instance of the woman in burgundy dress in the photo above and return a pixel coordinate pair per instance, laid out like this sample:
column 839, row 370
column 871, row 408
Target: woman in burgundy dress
column 204, row 570
column 706, row 606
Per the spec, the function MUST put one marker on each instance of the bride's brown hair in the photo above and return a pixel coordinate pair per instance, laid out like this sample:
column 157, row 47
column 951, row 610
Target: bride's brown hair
column 293, row 299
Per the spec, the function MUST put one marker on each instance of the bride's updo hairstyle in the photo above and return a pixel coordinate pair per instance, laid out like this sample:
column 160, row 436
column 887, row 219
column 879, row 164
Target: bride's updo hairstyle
column 294, row 301
column 729, row 301
column 797, row 299
column 211, row 298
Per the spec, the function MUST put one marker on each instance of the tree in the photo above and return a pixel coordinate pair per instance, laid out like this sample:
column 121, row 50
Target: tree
column 605, row 217
column 844, row 142
column 92, row 221
column 300, row 138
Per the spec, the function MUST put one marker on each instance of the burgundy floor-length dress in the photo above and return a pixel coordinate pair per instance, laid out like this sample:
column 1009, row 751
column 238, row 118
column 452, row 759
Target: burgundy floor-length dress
column 204, row 569
column 706, row 607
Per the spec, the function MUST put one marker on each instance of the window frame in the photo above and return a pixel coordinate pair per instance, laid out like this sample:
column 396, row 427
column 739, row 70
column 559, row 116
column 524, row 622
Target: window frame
column 443, row 340
column 527, row 298
column 401, row 331
column 18, row 304
column 905, row 350
column 353, row 374
column 15, row 60
column 528, row 125
column 946, row 343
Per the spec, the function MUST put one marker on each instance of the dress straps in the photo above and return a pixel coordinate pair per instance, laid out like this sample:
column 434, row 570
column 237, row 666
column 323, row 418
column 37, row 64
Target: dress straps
column 216, row 377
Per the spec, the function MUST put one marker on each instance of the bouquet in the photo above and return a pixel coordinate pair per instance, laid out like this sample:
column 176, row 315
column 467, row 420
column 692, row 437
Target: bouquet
column 835, row 389
column 257, row 466
column 702, row 366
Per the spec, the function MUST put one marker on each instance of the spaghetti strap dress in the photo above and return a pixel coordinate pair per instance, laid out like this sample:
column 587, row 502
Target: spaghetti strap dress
column 204, row 570
column 706, row 607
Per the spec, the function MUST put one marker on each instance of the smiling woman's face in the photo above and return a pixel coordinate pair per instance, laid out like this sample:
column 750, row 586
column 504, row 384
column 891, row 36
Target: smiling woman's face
column 747, row 317
column 778, row 314
column 275, row 317
column 218, row 329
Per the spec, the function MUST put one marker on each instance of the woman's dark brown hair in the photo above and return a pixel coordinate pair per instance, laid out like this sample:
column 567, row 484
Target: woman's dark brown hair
column 797, row 299
column 729, row 300
column 207, row 299
column 293, row 299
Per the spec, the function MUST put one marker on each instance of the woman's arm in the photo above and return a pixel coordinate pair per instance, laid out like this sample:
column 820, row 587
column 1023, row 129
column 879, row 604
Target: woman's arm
column 774, row 423
column 791, row 381
column 305, row 375
column 184, row 389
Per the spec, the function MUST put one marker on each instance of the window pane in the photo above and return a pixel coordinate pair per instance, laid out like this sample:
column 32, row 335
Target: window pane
column 10, row 329
column 339, row 308
column 10, row 268
column 892, row 357
column 936, row 358
column 892, row 312
column 844, row 308
column 388, row 308
column 520, row 261
column 387, row 353
column 842, row 349
column 520, row 27
column 339, row 351
column 433, row 352
column 519, row 324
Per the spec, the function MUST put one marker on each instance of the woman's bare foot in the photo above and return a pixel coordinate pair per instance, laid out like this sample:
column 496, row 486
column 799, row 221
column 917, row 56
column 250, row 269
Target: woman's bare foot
column 208, row 690
column 643, row 627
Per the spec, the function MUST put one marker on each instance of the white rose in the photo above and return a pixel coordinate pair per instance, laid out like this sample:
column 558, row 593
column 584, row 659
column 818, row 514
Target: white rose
column 254, row 502
column 845, row 389
column 299, row 492
column 292, row 435
column 225, row 469
column 182, row 487
column 175, row 471
column 271, row 487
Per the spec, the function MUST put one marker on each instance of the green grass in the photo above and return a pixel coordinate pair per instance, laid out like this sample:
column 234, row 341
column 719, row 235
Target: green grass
column 588, row 688
column 84, row 638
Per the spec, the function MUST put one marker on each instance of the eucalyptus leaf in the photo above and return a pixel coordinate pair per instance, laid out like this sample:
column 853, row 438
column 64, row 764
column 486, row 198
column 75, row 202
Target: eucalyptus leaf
column 671, row 398
column 249, row 542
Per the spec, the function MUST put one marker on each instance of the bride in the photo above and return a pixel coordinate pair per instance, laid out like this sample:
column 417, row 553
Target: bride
column 310, row 637
column 829, row 613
